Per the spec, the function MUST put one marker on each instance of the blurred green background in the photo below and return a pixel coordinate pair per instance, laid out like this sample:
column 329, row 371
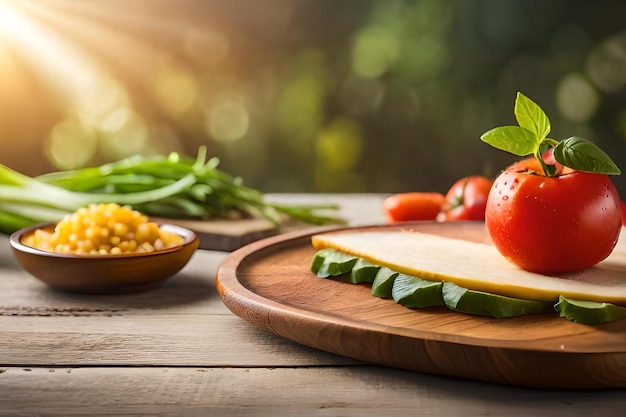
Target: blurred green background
column 306, row 95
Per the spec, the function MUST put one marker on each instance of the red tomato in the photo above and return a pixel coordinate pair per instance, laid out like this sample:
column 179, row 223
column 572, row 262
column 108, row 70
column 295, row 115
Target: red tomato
column 553, row 224
column 623, row 206
column 412, row 206
column 466, row 199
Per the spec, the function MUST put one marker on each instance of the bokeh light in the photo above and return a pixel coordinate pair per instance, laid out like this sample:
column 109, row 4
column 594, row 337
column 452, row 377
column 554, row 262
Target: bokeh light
column 607, row 63
column 72, row 144
column 228, row 119
column 126, row 137
column 175, row 90
column 338, row 151
column 576, row 98
column 375, row 51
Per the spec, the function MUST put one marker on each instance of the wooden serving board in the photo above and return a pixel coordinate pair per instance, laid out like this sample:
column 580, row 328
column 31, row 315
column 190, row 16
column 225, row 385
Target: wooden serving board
column 228, row 235
column 269, row 284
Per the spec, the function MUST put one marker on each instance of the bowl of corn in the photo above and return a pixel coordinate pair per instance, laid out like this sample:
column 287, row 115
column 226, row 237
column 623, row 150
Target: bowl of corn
column 103, row 249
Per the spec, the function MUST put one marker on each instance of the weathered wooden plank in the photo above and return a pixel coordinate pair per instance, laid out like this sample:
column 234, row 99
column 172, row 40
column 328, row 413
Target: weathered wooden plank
column 320, row 391
column 154, row 339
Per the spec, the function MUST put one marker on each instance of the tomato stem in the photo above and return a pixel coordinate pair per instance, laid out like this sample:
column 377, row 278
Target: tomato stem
column 546, row 145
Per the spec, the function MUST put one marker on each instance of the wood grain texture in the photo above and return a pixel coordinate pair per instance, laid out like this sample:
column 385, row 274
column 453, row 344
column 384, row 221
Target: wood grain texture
column 269, row 284
column 321, row 391
column 150, row 340
column 226, row 235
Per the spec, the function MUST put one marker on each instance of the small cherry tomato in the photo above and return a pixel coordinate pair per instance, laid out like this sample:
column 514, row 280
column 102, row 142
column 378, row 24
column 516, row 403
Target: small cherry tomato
column 412, row 206
column 466, row 199
column 553, row 225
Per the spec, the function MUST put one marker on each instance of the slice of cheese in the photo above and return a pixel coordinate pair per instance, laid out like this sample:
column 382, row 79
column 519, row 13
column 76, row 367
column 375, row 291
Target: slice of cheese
column 478, row 266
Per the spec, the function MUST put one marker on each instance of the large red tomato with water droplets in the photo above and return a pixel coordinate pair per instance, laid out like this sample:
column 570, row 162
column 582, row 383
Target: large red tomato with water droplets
column 553, row 225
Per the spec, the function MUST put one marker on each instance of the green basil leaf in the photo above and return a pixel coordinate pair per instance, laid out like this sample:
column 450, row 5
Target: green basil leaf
column 513, row 139
column 582, row 155
column 531, row 117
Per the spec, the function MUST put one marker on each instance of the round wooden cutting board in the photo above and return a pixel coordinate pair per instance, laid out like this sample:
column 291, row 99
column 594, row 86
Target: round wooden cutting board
column 269, row 283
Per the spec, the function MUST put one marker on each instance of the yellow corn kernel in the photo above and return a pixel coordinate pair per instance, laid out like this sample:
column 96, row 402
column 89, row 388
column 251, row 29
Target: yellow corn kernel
column 86, row 245
column 120, row 229
column 93, row 232
column 145, row 247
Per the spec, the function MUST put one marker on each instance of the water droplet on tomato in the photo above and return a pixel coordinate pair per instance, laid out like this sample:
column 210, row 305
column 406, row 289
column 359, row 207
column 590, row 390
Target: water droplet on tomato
column 506, row 197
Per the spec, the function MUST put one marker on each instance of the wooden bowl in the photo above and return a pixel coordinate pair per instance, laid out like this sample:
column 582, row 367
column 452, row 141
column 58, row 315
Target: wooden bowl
column 104, row 274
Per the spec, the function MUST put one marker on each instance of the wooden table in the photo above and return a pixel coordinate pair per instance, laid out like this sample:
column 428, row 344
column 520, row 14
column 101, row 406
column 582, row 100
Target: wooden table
column 178, row 351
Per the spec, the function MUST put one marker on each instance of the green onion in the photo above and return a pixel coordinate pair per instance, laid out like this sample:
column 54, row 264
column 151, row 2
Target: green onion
column 169, row 187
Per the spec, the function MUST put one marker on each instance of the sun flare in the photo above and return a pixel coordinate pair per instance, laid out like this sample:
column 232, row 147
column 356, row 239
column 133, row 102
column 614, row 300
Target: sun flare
column 87, row 67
